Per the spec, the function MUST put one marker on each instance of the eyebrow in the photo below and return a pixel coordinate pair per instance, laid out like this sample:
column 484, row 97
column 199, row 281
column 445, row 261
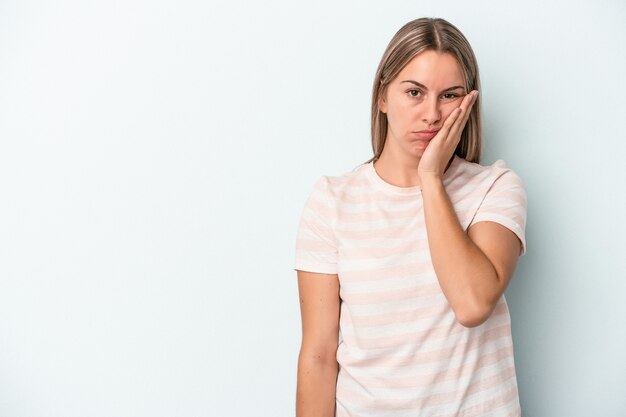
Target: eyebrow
column 426, row 88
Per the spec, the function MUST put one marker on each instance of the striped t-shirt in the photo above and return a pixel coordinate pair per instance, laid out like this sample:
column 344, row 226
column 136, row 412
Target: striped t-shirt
column 401, row 351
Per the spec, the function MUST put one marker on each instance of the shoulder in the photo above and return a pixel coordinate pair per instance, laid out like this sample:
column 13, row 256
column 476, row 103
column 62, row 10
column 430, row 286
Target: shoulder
column 335, row 187
column 498, row 173
column 497, row 195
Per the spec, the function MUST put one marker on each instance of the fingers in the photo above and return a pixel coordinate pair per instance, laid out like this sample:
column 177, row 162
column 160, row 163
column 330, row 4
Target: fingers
column 467, row 106
column 442, row 146
column 462, row 115
column 458, row 118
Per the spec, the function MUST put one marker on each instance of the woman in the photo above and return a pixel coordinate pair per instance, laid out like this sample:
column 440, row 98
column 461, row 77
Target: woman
column 402, row 263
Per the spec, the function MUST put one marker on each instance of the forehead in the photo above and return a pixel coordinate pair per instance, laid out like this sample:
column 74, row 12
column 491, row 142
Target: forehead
column 433, row 69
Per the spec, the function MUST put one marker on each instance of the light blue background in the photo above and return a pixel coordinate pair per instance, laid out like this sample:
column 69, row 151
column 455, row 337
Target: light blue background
column 155, row 157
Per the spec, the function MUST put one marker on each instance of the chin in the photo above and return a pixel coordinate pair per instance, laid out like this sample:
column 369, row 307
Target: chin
column 417, row 151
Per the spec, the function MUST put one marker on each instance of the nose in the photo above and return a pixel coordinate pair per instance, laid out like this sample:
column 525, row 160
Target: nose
column 431, row 112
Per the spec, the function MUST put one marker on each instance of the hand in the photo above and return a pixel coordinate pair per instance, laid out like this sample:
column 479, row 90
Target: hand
column 441, row 148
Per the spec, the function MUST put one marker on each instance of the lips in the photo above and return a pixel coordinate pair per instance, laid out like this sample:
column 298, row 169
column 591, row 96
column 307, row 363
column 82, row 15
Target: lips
column 426, row 134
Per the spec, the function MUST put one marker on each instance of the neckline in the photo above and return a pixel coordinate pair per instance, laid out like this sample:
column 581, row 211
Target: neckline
column 414, row 190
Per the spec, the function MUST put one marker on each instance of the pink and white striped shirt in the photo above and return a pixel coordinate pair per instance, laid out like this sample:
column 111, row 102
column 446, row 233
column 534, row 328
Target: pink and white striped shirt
column 401, row 351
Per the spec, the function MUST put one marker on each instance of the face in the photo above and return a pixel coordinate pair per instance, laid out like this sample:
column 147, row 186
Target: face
column 419, row 100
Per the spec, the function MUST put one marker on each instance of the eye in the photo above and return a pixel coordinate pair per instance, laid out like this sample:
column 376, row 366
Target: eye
column 450, row 96
column 414, row 93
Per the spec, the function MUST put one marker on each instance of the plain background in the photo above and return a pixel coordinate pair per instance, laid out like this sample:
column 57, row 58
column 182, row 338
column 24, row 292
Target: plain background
column 155, row 157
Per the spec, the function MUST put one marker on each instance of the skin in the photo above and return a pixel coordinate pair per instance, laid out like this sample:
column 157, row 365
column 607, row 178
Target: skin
column 317, row 363
column 473, row 267
column 411, row 108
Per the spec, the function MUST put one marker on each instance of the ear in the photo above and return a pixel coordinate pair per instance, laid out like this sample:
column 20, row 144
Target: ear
column 382, row 102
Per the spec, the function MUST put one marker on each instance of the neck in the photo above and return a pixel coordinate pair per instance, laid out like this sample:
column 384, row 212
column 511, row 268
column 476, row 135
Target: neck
column 398, row 170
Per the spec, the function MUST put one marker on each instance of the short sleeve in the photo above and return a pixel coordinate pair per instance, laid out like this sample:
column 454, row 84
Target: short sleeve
column 505, row 203
column 316, row 248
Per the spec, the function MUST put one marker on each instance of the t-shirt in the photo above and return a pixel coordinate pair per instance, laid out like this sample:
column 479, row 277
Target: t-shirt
column 401, row 350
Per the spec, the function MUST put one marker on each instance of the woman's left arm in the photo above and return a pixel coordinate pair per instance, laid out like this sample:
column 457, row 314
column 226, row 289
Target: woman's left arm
column 473, row 268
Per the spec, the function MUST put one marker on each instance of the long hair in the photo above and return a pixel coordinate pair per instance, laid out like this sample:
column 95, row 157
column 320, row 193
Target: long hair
column 417, row 36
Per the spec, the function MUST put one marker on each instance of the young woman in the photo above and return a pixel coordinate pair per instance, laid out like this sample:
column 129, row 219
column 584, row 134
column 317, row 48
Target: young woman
column 402, row 263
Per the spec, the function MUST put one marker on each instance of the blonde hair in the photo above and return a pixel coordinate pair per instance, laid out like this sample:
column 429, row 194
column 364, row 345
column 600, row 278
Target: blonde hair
column 417, row 36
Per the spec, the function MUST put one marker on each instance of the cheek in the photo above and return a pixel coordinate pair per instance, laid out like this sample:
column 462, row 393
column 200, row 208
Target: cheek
column 401, row 111
column 447, row 109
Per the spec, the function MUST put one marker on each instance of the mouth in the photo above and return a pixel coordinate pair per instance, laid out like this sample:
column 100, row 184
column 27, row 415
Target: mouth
column 426, row 134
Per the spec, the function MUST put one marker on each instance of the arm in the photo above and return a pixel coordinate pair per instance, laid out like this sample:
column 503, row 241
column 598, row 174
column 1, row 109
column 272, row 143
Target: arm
column 473, row 269
column 317, row 363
